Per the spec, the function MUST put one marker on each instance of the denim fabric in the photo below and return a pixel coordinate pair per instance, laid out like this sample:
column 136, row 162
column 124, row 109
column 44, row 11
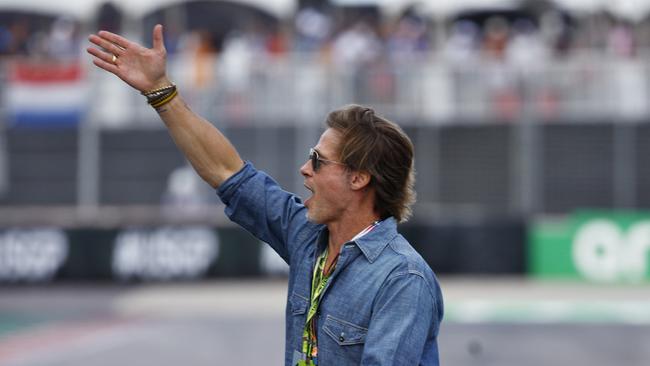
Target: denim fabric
column 382, row 305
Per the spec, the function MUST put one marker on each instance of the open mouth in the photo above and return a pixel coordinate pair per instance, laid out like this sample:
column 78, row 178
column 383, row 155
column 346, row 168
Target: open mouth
column 312, row 193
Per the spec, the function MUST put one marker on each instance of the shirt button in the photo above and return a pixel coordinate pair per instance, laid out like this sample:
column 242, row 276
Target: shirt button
column 342, row 337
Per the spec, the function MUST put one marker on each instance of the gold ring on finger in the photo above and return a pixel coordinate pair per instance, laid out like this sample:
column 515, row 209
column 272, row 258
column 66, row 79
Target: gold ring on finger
column 114, row 59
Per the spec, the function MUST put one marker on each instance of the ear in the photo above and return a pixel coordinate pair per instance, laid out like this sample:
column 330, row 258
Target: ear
column 359, row 180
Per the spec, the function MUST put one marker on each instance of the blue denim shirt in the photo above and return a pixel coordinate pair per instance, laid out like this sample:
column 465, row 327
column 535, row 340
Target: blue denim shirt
column 382, row 305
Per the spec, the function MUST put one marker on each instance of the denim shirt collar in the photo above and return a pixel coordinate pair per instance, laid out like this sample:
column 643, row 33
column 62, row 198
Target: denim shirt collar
column 371, row 244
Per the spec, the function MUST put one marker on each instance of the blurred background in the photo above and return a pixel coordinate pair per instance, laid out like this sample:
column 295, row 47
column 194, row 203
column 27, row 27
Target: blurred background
column 530, row 123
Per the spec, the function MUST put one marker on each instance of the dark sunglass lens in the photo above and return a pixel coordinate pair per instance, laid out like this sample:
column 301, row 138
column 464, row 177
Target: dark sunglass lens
column 313, row 156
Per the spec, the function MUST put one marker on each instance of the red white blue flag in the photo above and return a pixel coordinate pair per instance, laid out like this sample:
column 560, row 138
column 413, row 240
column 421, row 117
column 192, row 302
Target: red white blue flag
column 46, row 94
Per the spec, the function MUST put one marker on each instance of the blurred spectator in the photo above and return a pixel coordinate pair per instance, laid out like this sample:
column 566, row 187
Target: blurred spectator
column 461, row 45
column 174, row 35
column 37, row 46
column 495, row 39
column 409, row 40
column 555, row 33
column 19, row 33
column 528, row 57
column 200, row 51
column 526, row 49
column 235, row 71
column 356, row 46
column 109, row 17
column 313, row 30
column 501, row 80
column 620, row 41
column 236, row 61
column 4, row 166
column 195, row 65
column 277, row 43
column 62, row 43
column 5, row 40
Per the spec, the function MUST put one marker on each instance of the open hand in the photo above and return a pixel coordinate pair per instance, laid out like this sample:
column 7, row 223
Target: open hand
column 142, row 68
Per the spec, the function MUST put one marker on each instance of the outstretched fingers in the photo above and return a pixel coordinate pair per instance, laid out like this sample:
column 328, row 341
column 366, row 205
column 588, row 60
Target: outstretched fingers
column 109, row 46
column 102, row 55
column 103, row 60
column 116, row 39
column 110, row 67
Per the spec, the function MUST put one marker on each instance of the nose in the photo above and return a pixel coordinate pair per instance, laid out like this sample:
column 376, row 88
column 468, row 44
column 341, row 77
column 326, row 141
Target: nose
column 305, row 169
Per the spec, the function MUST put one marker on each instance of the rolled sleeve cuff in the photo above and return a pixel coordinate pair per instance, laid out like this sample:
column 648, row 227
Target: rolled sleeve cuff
column 228, row 188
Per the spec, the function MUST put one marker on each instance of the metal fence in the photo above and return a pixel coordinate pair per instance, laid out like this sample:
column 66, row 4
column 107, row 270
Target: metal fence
column 301, row 89
column 491, row 139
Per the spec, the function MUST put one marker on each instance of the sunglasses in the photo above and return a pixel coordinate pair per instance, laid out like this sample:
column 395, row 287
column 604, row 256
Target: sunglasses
column 316, row 160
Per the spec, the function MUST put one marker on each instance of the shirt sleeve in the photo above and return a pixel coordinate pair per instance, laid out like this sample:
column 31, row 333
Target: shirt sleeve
column 405, row 319
column 255, row 201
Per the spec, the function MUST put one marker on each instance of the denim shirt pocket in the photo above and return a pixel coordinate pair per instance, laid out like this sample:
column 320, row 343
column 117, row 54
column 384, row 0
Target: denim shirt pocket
column 344, row 333
column 298, row 304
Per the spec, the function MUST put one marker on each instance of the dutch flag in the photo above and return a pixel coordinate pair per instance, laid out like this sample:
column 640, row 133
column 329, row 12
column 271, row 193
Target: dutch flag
column 46, row 94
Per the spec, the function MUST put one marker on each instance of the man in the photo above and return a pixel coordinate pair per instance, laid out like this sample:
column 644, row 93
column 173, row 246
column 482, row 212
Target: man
column 358, row 292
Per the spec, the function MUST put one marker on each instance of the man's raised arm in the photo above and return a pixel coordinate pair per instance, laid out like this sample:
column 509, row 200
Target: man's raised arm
column 210, row 153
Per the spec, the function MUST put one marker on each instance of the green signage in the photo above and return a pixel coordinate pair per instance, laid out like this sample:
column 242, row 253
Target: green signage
column 599, row 246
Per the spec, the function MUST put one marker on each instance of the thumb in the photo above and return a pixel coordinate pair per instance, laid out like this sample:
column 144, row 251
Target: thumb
column 158, row 43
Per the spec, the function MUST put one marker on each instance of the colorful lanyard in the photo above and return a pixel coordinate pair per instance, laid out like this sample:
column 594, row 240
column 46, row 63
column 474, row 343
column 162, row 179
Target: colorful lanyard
column 318, row 283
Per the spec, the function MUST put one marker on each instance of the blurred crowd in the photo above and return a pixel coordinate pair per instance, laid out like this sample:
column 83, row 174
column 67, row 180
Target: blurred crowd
column 477, row 62
column 354, row 38
column 37, row 38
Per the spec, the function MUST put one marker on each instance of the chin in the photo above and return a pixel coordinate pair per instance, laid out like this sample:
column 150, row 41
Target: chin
column 310, row 218
column 314, row 219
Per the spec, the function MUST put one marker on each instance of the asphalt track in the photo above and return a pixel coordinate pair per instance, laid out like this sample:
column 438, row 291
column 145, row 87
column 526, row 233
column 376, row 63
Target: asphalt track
column 489, row 322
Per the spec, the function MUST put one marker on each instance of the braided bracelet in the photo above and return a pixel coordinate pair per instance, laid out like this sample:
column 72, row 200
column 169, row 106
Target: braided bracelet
column 154, row 94
column 164, row 99
column 163, row 88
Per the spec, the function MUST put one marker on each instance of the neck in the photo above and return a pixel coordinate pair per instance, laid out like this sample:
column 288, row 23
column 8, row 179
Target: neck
column 342, row 231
